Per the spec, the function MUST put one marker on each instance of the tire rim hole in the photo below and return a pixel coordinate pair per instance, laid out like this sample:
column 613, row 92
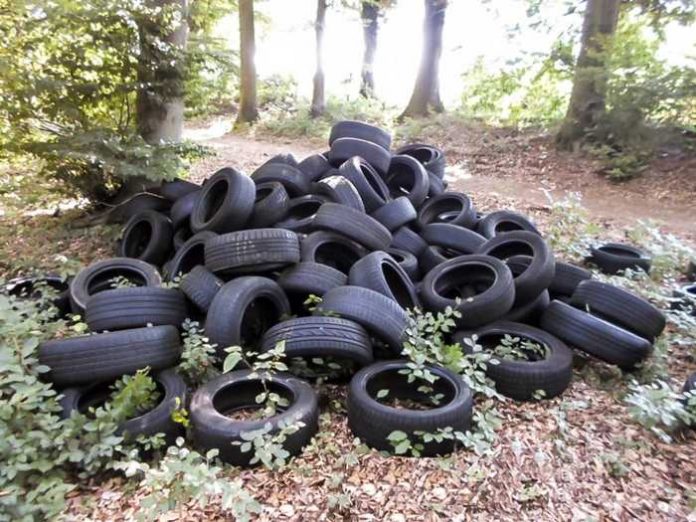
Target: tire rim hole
column 410, row 395
column 238, row 399
column 215, row 198
column 398, row 286
column 465, row 281
column 138, row 239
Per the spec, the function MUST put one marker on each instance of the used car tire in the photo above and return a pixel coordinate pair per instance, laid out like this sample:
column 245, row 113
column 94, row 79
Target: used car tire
column 309, row 278
column 566, row 279
column 361, row 130
column 407, row 178
column 454, row 208
column 295, row 182
column 225, row 204
column 396, row 213
column 135, row 205
column 300, row 214
column 372, row 189
column 355, row 225
column 407, row 261
column 190, row 255
column 147, row 236
column 612, row 258
column 200, row 286
column 406, row 239
column 432, row 158
column 529, row 313
column 314, row 166
column 379, row 271
column 331, row 249
column 344, row 149
column 504, row 221
column 176, row 189
column 270, row 205
column 453, row 237
column 338, row 189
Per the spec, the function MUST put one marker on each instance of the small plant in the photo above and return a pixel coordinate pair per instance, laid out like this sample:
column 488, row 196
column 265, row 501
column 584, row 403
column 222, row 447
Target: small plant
column 670, row 255
column 267, row 446
column 312, row 303
column 515, row 349
column 569, row 231
column 121, row 282
column 198, row 357
column 414, row 446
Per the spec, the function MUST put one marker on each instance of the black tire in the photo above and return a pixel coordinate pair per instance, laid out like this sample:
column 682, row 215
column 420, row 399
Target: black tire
column 406, row 239
column 372, row 189
column 339, row 190
column 363, row 131
column 190, row 255
column 620, row 307
column 344, row 149
column 432, row 158
column 379, row 271
column 102, row 357
column 309, row 337
column 308, row 278
column 270, row 206
column 454, row 208
column 396, row 213
column 149, row 423
column 125, row 308
column 613, row 258
column 684, row 299
column 690, row 384
column 135, row 205
column 181, row 210
column 437, row 186
column 331, row 249
column 314, row 166
column 532, row 280
column 97, row 276
column 176, row 189
column 181, row 235
column 225, row 204
column 243, row 310
column 295, row 182
column 300, row 214
column 252, row 251
column 566, row 279
column 453, row 237
column 595, row 336
column 238, row 390
column 284, row 158
column 377, row 313
column 520, row 379
column 529, row 313
column 434, row 256
column 353, row 224
column 147, row 236
column 373, row 421
column 484, row 283
column 407, row 177
column 407, row 261
column 201, row 286
column 504, row 221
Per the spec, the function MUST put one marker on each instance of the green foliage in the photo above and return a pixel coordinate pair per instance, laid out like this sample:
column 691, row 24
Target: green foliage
column 660, row 409
column 519, row 349
column 198, row 357
column 569, row 230
column 670, row 255
column 267, row 446
column 184, row 476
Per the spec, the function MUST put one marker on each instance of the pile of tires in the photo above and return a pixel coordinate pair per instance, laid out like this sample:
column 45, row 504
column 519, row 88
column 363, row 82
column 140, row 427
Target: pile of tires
column 373, row 233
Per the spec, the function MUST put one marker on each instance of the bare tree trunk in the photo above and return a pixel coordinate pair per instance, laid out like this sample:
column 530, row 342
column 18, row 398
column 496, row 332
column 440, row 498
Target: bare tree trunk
column 248, row 109
column 160, row 102
column 369, row 14
column 318, row 96
column 426, row 91
column 588, row 97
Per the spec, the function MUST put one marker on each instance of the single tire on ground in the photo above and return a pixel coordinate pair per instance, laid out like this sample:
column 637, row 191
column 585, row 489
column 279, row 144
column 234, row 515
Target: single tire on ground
column 613, row 258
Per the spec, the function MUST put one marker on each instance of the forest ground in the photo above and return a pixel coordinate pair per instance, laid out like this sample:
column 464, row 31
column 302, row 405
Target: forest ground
column 576, row 457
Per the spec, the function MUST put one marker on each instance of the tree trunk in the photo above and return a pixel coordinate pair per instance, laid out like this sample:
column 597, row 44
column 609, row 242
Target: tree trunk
column 318, row 96
column 369, row 15
column 587, row 99
column 160, row 102
column 248, row 109
column 426, row 91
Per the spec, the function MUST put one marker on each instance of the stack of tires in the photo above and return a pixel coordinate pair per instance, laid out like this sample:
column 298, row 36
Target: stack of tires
column 373, row 233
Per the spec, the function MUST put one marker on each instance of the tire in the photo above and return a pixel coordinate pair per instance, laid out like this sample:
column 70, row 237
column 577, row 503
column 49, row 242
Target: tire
column 406, row 239
column 182, row 209
column 225, row 204
column 102, row 357
column 396, row 213
column 309, row 278
column 339, row 190
column 295, row 182
column 684, row 299
column 360, row 130
column 125, row 308
column 236, row 390
column 372, row 189
column 529, row 313
column 314, row 166
column 620, row 307
column 373, row 421
column 454, row 208
column 181, row 235
column 504, row 221
column 176, row 189
column 243, row 310
column 434, row 256
column 613, row 258
column 430, row 157
column 300, row 214
column 537, row 276
column 147, row 236
column 595, row 336
column 149, row 423
column 378, row 271
column 407, row 261
column 284, row 158
column 452, row 237
column 690, row 384
column 377, row 313
column 252, row 251
column 567, row 278
column 95, row 278
column 344, row 149
column 463, row 275
column 30, row 288
column 270, row 206
column 520, row 379
column 331, row 249
column 201, row 286
column 353, row 224
column 135, row 205
column 407, row 177
column 190, row 255
column 310, row 337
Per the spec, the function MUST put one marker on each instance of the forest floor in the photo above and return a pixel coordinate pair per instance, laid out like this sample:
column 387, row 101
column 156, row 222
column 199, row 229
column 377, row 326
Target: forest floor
column 577, row 457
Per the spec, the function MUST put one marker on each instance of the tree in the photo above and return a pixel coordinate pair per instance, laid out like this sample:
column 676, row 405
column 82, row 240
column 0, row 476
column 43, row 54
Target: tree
column 318, row 92
column 248, row 108
column 369, row 14
column 588, row 98
column 426, row 91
